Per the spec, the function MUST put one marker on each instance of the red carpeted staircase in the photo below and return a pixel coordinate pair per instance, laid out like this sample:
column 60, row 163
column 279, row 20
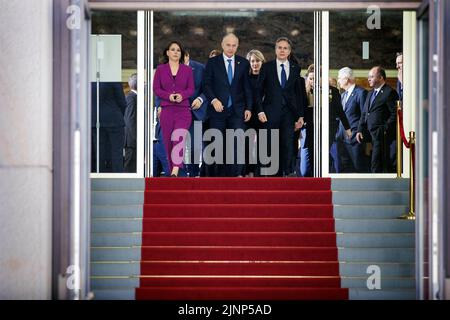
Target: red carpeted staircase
column 239, row 239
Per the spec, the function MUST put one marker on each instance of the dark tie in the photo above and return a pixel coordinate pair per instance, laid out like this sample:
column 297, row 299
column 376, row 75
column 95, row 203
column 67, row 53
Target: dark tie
column 372, row 98
column 283, row 76
column 344, row 99
column 230, row 79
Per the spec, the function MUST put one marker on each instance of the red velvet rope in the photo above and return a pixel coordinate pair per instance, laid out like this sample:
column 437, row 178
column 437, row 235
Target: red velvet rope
column 402, row 130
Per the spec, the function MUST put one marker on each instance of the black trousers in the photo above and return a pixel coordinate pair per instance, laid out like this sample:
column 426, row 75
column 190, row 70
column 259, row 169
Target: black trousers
column 228, row 121
column 111, row 149
column 285, row 126
column 383, row 155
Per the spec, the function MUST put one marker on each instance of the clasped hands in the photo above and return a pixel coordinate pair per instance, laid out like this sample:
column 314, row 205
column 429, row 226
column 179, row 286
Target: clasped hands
column 176, row 97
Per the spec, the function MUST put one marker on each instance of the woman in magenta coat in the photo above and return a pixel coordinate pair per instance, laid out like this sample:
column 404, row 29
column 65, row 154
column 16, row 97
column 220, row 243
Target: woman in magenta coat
column 174, row 84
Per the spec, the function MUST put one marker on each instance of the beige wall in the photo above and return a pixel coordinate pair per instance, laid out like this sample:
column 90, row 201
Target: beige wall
column 25, row 149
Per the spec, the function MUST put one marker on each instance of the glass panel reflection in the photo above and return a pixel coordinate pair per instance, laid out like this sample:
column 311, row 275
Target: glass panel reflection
column 368, row 95
column 113, row 91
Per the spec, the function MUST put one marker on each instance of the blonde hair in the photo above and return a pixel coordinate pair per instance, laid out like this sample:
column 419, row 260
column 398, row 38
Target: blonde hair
column 258, row 55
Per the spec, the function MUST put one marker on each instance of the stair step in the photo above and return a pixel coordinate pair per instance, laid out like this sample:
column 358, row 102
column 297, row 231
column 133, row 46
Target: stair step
column 114, row 294
column 239, row 254
column 244, row 293
column 371, row 198
column 375, row 225
column 118, row 184
column 375, row 240
column 213, row 224
column 385, row 283
column 369, row 211
column 238, row 225
column 390, row 270
column 238, row 184
column 330, row 282
column 372, row 184
column 297, row 239
column 117, row 211
column 241, row 196
column 241, row 210
column 116, row 239
column 376, row 255
column 347, row 269
column 383, row 294
column 306, row 268
column 117, row 198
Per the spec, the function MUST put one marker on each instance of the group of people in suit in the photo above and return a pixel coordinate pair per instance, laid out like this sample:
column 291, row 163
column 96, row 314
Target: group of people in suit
column 232, row 92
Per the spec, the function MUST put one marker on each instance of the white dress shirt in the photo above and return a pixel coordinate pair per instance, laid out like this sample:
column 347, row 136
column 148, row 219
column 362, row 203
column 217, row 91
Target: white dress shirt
column 286, row 68
column 225, row 59
column 349, row 93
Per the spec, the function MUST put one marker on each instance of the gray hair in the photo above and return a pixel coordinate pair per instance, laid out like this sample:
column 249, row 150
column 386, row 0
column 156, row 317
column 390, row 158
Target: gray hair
column 132, row 81
column 346, row 72
column 230, row 35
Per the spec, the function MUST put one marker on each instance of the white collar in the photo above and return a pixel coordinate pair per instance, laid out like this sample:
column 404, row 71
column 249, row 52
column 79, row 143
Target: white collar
column 225, row 58
column 350, row 90
column 134, row 91
column 285, row 63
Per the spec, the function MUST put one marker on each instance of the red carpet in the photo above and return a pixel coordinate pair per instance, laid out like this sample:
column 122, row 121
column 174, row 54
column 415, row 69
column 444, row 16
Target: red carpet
column 239, row 239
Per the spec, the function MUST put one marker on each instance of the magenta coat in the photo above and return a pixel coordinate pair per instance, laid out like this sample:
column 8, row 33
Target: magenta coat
column 164, row 84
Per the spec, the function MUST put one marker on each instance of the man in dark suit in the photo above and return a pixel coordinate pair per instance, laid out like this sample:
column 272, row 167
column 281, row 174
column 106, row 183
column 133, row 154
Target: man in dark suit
column 281, row 103
column 112, row 109
column 198, row 103
column 350, row 152
column 228, row 88
column 379, row 118
column 130, row 126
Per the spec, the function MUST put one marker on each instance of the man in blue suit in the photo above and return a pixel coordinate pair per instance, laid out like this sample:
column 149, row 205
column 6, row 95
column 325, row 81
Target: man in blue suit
column 350, row 152
column 198, row 103
column 112, row 135
column 228, row 88
column 281, row 102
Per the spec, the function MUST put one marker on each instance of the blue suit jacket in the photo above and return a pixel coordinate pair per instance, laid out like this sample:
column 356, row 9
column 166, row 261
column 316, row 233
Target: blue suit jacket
column 198, row 70
column 217, row 86
column 353, row 110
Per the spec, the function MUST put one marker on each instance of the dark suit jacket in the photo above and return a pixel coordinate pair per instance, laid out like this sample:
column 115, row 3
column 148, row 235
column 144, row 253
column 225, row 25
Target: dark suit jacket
column 217, row 85
column 270, row 94
column 353, row 110
column 112, row 104
column 198, row 70
column 382, row 114
column 130, row 120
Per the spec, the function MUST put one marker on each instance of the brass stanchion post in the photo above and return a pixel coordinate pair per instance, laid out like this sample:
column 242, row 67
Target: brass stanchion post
column 411, row 215
column 399, row 143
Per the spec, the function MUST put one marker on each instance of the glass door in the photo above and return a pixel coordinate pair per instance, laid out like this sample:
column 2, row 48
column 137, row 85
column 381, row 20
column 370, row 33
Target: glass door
column 365, row 51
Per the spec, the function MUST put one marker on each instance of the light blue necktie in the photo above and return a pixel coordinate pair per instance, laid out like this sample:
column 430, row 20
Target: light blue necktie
column 283, row 76
column 344, row 99
column 230, row 79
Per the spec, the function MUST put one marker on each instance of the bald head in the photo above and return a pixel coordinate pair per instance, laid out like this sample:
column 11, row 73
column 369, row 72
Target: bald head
column 230, row 44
